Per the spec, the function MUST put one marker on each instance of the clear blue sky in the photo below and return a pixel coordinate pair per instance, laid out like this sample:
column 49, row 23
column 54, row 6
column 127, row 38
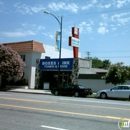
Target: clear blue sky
column 104, row 25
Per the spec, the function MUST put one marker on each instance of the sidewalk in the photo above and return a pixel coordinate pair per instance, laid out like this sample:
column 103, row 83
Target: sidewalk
column 26, row 90
column 33, row 91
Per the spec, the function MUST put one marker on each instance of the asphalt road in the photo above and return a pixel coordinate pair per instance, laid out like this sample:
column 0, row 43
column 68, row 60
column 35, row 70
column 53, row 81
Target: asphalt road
column 20, row 111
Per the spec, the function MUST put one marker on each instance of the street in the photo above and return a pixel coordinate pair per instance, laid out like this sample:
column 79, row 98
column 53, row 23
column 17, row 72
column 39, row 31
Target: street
column 20, row 111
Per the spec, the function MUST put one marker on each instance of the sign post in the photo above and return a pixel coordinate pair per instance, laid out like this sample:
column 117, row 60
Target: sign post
column 74, row 41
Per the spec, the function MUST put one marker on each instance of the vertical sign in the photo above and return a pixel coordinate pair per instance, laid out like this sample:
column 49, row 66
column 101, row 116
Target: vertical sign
column 57, row 41
column 76, row 31
column 75, row 34
column 74, row 41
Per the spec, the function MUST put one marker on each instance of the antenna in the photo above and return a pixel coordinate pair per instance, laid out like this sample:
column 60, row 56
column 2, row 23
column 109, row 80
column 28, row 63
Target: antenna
column 88, row 54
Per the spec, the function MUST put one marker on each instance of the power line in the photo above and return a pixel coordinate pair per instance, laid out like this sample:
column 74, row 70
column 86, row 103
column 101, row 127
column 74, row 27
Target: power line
column 112, row 52
column 88, row 54
column 108, row 51
column 116, row 57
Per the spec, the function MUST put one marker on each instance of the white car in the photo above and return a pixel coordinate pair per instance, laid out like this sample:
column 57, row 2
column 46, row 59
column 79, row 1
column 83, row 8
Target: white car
column 119, row 91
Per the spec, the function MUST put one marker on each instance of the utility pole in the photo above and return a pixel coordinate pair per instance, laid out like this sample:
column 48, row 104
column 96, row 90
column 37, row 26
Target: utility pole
column 88, row 54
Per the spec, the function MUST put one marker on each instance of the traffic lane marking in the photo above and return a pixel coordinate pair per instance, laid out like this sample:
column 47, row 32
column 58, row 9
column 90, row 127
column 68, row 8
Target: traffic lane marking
column 54, row 128
column 26, row 100
column 49, row 102
column 65, row 112
column 5, row 94
column 113, row 103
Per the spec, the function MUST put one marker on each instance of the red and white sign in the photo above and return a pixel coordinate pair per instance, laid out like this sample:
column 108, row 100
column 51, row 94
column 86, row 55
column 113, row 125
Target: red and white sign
column 75, row 42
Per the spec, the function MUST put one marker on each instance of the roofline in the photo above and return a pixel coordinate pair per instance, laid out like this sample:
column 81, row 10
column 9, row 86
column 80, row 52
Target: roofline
column 20, row 42
column 33, row 46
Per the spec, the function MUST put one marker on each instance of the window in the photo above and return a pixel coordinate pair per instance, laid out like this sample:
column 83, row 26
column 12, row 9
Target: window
column 23, row 57
column 66, row 87
column 81, row 87
column 76, row 86
column 47, row 57
column 126, row 87
column 119, row 87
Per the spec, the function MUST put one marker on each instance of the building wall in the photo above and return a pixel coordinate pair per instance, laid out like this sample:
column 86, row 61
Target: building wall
column 96, row 84
column 32, row 78
column 85, row 67
column 50, row 51
column 29, row 69
column 35, row 50
column 31, row 57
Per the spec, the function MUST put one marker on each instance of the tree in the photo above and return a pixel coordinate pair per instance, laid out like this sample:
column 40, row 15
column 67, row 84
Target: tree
column 11, row 64
column 96, row 63
column 117, row 74
column 106, row 64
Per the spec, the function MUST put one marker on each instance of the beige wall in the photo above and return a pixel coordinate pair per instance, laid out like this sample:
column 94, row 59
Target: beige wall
column 96, row 84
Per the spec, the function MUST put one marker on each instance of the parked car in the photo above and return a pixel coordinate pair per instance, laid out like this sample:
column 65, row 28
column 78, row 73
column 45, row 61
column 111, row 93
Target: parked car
column 73, row 90
column 119, row 91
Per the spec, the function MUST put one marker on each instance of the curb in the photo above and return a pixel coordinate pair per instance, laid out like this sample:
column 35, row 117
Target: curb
column 14, row 91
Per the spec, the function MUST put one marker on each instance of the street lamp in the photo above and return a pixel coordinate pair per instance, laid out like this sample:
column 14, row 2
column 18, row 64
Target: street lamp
column 60, row 23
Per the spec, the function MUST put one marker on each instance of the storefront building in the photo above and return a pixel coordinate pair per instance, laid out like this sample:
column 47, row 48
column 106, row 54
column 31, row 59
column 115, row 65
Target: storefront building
column 42, row 60
column 31, row 52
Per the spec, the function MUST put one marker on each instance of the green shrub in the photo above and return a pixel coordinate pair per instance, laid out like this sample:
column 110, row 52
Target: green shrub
column 20, row 82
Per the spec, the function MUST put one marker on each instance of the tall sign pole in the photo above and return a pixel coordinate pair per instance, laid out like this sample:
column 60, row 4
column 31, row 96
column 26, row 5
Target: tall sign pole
column 75, row 34
column 74, row 41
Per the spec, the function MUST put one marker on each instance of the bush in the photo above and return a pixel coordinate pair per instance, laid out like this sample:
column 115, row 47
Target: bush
column 20, row 82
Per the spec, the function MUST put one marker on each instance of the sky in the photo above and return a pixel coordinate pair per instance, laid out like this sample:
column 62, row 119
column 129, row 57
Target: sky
column 104, row 25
